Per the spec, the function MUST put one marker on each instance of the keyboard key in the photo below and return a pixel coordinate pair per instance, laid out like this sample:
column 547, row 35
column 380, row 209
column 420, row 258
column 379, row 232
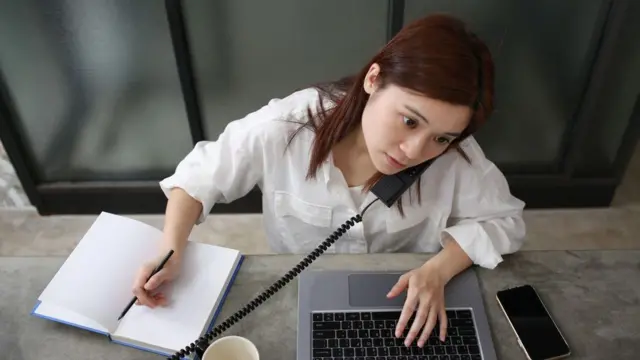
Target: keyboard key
column 465, row 314
column 346, row 325
column 344, row 343
column 333, row 343
column 470, row 340
column 338, row 316
column 351, row 334
column 322, row 353
column 349, row 352
column 319, row 344
column 474, row 349
column 462, row 349
column 328, row 317
column 466, row 331
column 317, row 317
column 337, row 352
column 461, row 322
column 456, row 340
column 326, row 325
column 356, row 343
column 386, row 315
column 451, row 314
column 365, row 316
column 368, row 324
column 352, row 316
column 324, row 334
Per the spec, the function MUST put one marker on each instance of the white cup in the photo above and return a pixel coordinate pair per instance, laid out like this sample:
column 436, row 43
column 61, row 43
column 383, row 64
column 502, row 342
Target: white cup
column 231, row 348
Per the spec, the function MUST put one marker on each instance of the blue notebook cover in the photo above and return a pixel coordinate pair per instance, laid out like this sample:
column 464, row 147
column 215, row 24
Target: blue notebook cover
column 97, row 331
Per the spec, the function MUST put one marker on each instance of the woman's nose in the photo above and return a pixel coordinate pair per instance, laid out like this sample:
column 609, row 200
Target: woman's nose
column 413, row 148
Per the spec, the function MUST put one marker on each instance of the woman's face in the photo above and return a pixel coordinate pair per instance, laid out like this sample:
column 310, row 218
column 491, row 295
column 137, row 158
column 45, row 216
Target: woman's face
column 402, row 128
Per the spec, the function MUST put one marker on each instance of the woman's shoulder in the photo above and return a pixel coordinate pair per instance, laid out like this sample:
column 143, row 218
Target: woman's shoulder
column 282, row 112
column 278, row 117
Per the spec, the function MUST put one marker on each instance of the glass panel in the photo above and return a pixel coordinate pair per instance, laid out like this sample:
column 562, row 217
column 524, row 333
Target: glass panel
column 542, row 50
column 96, row 87
column 616, row 102
column 247, row 52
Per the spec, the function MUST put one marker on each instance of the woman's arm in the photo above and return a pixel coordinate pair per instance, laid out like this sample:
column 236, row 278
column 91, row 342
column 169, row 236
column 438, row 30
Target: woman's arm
column 180, row 217
column 450, row 261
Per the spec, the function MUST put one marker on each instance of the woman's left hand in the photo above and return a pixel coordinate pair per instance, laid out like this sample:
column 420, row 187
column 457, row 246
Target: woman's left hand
column 425, row 293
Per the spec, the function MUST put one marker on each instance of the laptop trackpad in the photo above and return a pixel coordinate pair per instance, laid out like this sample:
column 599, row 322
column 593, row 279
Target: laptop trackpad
column 372, row 289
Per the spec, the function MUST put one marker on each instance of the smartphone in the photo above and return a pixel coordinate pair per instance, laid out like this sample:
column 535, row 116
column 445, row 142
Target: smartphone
column 537, row 333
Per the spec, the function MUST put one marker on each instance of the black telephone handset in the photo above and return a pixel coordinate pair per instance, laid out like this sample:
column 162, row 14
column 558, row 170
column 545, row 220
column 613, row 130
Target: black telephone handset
column 388, row 190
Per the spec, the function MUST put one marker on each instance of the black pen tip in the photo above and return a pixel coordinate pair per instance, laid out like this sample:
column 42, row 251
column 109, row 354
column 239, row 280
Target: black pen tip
column 119, row 317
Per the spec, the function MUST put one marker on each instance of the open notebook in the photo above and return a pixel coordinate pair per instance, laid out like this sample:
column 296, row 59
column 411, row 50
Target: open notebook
column 93, row 286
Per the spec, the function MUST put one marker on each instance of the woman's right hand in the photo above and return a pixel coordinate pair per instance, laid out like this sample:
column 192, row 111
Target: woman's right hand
column 146, row 291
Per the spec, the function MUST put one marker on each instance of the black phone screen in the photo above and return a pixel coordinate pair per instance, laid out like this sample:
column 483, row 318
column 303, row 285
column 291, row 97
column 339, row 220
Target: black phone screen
column 538, row 334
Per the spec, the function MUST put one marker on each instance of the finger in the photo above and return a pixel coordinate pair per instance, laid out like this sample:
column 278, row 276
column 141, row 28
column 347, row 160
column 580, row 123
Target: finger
column 402, row 283
column 426, row 332
column 144, row 297
column 160, row 299
column 407, row 311
column 155, row 280
column 443, row 324
column 142, row 276
column 418, row 322
column 431, row 322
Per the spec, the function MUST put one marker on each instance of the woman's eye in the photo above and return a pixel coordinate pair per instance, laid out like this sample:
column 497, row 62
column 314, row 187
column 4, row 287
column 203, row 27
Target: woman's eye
column 409, row 122
column 443, row 140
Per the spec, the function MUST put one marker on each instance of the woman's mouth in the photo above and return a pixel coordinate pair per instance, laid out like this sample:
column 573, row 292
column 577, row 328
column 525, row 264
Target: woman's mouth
column 394, row 163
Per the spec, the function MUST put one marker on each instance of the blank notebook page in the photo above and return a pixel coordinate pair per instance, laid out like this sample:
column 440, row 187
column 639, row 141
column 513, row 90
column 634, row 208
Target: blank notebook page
column 95, row 281
column 192, row 296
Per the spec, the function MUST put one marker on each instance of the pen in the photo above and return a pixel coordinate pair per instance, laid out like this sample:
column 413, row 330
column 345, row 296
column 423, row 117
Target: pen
column 155, row 271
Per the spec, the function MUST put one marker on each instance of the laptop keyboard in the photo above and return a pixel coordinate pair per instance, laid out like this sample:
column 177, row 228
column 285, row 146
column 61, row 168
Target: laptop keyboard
column 370, row 336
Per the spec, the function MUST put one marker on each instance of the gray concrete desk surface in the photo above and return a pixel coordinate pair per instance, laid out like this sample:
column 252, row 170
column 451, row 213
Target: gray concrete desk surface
column 593, row 295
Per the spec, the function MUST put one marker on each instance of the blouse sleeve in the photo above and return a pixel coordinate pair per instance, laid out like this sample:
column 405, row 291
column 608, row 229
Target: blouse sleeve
column 226, row 169
column 486, row 219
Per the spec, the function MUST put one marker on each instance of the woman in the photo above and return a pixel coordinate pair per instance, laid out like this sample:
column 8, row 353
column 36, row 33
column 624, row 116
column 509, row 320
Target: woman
column 315, row 153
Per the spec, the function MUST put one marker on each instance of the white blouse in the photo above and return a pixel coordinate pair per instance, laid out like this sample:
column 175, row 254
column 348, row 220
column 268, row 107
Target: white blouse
column 470, row 201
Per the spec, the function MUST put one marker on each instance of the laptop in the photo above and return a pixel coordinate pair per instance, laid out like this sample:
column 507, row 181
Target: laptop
column 346, row 315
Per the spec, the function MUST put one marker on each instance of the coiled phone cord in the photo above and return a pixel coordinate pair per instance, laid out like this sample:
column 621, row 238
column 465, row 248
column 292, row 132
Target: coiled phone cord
column 203, row 341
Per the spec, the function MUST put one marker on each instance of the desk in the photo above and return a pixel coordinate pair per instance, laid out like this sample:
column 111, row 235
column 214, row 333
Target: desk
column 593, row 295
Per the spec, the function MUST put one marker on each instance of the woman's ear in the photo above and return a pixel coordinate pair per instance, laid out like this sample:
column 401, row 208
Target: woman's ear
column 370, row 80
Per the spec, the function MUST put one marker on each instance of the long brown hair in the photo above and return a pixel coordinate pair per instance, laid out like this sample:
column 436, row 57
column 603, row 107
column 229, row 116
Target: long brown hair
column 436, row 56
